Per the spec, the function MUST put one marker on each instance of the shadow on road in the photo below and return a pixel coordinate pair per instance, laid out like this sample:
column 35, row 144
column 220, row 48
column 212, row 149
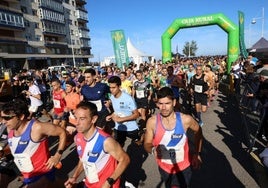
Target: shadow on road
column 134, row 172
column 215, row 171
column 234, row 134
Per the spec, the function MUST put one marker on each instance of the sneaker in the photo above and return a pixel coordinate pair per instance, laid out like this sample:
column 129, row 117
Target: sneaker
column 255, row 112
column 129, row 185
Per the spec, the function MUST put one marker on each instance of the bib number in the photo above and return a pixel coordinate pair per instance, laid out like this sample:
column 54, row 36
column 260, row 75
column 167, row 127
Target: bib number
column 91, row 172
column 198, row 88
column 140, row 94
column 23, row 162
column 175, row 156
column 56, row 103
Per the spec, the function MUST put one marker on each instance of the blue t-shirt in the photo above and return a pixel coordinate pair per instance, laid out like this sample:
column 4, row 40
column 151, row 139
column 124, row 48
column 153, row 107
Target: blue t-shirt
column 96, row 94
column 124, row 106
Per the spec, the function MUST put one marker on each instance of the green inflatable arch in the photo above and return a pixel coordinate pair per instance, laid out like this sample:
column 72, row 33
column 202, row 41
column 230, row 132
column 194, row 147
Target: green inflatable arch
column 212, row 19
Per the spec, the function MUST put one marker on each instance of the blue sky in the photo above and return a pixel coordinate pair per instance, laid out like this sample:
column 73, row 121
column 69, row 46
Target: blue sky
column 144, row 21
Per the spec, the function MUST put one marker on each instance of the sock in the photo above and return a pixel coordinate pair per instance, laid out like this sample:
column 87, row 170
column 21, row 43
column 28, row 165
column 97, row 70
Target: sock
column 199, row 116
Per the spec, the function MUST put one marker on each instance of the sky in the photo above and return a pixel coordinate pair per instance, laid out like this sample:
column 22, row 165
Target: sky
column 144, row 21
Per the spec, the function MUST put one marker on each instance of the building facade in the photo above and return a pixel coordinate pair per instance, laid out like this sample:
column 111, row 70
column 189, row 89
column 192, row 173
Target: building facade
column 41, row 33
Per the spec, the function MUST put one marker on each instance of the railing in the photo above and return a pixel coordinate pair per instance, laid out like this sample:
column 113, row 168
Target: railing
column 56, row 42
column 254, row 113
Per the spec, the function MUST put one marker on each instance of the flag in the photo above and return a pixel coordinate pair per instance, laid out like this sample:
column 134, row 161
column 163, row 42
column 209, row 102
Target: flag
column 242, row 45
column 120, row 48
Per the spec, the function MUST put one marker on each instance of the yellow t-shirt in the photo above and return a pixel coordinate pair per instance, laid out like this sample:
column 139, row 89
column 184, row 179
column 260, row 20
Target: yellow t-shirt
column 126, row 86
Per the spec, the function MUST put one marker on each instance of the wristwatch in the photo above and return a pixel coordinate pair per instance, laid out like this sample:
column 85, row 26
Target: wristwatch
column 60, row 151
column 111, row 181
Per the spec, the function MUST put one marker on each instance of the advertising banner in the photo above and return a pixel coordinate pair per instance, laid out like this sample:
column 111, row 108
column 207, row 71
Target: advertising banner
column 120, row 48
column 243, row 48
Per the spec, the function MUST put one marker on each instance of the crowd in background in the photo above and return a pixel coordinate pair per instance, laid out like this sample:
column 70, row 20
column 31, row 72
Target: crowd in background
column 157, row 75
column 56, row 94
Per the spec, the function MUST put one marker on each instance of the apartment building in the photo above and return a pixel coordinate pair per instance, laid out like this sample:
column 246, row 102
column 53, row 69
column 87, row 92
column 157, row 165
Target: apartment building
column 41, row 33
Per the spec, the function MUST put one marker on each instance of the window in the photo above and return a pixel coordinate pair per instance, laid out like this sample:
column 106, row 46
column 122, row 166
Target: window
column 29, row 50
column 34, row 12
column 38, row 37
column 36, row 25
column 23, row 9
column 26, row 23
column 70, row 22
column 28, row 37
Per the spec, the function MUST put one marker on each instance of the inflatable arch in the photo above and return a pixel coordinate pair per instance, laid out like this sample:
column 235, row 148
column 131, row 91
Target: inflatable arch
column 212, row 19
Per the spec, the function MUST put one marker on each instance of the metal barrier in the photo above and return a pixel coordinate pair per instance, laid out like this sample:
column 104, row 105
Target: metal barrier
column 253, row 115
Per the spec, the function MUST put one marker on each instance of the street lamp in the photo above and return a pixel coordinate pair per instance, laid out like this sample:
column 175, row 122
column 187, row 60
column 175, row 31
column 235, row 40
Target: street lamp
column 262, row 17
column 72, row 49
column 249, row 38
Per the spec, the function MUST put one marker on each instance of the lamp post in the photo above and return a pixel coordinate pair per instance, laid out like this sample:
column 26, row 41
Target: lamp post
column 249, row 33
column 262, row 17
column 72, row 49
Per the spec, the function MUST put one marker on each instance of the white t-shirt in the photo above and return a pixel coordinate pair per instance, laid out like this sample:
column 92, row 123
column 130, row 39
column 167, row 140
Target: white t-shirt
column 34, row 90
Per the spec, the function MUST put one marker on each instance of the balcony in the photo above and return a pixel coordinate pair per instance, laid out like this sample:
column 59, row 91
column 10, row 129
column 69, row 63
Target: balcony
column 53, row 32
column 52, row 5
column 81, row 15
column 11, row 19
column 55, row 43
column 81, row 2
column 52, row 16
column 83, row 28
column 83, row 34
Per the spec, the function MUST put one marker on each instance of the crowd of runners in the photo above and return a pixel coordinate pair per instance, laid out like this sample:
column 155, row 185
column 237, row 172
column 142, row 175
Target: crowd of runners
column 99, row 108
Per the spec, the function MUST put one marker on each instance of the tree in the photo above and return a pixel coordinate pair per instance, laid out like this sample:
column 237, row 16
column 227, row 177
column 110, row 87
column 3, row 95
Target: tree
column 190, row 48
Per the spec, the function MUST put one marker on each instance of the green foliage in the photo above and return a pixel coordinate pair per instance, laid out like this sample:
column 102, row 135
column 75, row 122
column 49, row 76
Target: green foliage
column 190, row 49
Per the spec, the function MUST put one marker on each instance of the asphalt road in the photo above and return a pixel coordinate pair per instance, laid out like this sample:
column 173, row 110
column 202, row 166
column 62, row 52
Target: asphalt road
column 226, row 162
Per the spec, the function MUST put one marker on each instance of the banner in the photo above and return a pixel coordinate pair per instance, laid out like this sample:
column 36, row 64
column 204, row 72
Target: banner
column 242, row 45
column 120, row 48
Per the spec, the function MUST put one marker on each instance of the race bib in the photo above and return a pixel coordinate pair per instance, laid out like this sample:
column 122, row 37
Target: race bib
column 56, row 103
column 198, row 89
column 121, row 114
column 140, row 94
column 4, row 136
column 91, row 172
column 98, row 104
column 23, row 162
column 175, row 156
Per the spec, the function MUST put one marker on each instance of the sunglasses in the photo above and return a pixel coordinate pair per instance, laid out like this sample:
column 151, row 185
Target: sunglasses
column 6, row 118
